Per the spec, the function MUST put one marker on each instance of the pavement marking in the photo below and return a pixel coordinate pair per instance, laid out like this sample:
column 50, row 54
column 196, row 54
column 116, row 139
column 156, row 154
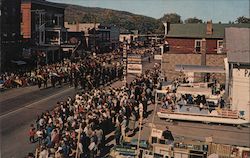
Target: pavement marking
column 44, row 99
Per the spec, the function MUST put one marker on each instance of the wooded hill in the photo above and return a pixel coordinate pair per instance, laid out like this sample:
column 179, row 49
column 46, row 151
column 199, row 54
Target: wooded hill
column 125, row 20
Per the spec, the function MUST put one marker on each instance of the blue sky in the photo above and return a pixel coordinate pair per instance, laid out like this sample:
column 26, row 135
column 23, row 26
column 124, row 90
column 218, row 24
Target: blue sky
column 217, row 10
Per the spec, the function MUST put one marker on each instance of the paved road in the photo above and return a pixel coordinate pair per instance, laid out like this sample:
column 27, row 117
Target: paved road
column 21, row 112
column 224, row 134
column 20, row 107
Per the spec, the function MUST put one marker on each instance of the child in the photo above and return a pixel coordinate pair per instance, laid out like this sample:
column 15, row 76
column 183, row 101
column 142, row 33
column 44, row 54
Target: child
column 32, row 133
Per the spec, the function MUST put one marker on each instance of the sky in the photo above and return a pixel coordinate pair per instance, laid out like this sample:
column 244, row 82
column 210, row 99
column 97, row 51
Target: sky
column 215, row 10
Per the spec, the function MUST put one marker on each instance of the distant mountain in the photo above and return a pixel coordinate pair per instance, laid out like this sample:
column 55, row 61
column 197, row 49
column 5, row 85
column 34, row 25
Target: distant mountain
column 126, row 20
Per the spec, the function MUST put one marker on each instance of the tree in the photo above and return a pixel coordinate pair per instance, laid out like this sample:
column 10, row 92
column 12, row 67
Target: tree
column 243, row 19
column 88, row 18
column 193, row 20
column 172, row 18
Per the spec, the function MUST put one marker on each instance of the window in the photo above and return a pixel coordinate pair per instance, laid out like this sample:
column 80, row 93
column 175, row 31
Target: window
column 219, row 46
column 197, row 45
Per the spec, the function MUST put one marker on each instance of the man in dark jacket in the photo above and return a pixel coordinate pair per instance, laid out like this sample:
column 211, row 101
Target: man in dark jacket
column 167, row 134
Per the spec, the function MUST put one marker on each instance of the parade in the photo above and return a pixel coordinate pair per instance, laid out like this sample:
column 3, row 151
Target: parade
column 124, row 79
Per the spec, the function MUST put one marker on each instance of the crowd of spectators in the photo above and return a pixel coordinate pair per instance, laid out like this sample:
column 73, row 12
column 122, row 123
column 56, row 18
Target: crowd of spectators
column 74, row 72
column 93, row 113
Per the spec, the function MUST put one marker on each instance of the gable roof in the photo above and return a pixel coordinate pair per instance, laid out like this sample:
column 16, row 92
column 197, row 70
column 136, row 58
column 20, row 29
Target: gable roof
column 199, row 30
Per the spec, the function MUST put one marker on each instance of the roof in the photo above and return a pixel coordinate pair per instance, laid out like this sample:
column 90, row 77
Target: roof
column 199, row 68
column 47, row 3
column 199, row 30
column 237, row 44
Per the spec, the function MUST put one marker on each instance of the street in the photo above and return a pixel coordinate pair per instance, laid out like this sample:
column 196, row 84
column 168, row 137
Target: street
column 20, row 107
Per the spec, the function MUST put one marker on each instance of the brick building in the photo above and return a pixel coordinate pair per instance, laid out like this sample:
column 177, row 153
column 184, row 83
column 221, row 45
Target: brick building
column 187, row 38
column 10, row 33
column 195, row 45
column 43, row 30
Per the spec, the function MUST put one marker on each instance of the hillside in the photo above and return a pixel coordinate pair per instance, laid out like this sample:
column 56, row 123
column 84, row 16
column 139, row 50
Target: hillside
column 107, row 16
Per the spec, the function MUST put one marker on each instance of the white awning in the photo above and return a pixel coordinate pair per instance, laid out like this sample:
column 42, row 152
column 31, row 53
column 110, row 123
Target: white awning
column 200, row 68
column 194, row 91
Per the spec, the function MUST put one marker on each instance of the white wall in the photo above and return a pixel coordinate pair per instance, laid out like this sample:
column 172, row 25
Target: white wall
column 241, row 90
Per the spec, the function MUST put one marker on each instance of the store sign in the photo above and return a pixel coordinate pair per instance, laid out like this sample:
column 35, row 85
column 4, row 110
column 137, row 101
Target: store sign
column 156, row 133
column 134, row 68
column 134, row 59
column 241, row 73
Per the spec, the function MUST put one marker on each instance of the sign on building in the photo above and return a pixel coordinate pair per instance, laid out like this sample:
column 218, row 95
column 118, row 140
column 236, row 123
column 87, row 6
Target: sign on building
column 134, row 64
column 241, row 91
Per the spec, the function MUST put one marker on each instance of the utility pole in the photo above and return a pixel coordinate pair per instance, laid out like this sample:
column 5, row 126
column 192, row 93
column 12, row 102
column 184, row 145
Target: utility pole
column 125, row 63
column 78, row 140
column 95, row 35
column 139, row 134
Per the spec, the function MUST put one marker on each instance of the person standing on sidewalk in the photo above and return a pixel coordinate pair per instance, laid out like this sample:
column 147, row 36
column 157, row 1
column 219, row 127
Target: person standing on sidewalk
column 32, row 133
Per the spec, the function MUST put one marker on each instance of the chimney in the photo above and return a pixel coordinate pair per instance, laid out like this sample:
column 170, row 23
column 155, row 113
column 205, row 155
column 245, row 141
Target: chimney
column 167, row 27
column 209, row 28
column 203, row 51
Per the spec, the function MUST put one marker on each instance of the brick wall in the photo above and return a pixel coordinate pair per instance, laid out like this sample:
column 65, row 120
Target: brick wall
column 26, row 20
column 170, row 60
column 181, row 45
column 187, row 45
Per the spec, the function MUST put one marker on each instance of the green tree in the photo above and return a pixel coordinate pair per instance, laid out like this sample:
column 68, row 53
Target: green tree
column 243, row 19
column 88, row 18
column 172, row 18
column 193, row 20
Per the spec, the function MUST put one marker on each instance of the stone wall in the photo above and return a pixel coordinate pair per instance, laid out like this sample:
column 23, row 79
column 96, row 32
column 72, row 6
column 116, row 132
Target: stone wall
column 170, row 60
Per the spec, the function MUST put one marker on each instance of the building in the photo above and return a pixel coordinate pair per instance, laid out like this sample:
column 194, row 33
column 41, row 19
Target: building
column 80, row 27
column 10, row 33
column 196, row 45
column 109, row 37
column 128, row 36
column 43, row 30
column 187, row 38
column 99, row 38
column 238, row 69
